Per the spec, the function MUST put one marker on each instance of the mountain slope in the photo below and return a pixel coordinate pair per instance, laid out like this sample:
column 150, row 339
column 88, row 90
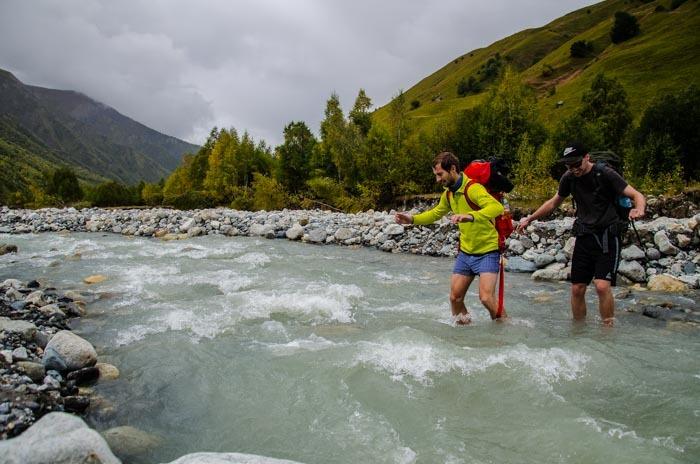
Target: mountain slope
column 664, row 58
column 64, row 127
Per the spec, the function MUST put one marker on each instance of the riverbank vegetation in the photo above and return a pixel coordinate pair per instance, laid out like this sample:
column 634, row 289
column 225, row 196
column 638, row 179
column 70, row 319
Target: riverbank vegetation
column 357, row 163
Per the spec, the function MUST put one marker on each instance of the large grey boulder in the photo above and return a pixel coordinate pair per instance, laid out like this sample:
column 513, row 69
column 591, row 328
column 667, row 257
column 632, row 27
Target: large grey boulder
column 553, row 272
column 344, row 233
column 664, row 243
column 632, row 252
column 295, row 232
column 57, row 438
column 68, row 352
column 517, row 247
column 315, row 236
column 633, row 271
column 543, row 260
column 394, row 229
column 26, row 330
column 518, row 264
column 228, row 458
column 12, row 283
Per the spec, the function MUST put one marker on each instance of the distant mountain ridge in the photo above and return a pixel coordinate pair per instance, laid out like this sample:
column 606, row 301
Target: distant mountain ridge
column 41, row 127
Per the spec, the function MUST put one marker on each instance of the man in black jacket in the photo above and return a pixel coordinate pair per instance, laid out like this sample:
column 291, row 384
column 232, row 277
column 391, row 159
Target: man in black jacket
column 595, row 189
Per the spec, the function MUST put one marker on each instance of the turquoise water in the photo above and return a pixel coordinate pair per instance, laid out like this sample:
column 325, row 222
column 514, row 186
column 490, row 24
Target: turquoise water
column 326, row 354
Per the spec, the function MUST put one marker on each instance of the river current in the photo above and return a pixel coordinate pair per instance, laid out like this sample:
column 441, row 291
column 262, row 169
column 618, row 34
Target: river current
column 328, row 354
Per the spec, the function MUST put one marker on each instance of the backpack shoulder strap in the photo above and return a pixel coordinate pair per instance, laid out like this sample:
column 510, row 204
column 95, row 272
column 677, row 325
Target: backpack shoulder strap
column 472, row 205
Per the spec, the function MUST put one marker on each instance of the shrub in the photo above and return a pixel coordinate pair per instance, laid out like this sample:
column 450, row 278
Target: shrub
column 194, row 199
column 668, row 183
column 415, row 104
column 581, row 49
column 152, row 194
column 625, row 27
column 326, row 189
column 63, row 184
column 672, row 121
column 242, row 199
column 656, row 154
column 467, row 86
column 111, row 194
column 268, row 194
column 676, row 3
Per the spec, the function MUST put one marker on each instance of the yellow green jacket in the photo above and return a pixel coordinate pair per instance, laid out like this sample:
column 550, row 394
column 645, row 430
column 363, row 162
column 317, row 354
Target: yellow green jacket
column 476, row 237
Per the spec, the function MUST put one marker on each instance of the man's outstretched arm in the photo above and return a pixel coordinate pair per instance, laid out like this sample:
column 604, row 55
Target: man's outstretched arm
column 544, row 210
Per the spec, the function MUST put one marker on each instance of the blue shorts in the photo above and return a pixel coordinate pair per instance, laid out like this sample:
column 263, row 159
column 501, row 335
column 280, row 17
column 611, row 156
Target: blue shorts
column 469, row 265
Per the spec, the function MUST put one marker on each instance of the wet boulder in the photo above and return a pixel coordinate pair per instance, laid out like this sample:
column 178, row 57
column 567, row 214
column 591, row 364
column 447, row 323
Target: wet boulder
column 57, row 437
column 5, row 248
column 68, row 352
column 129, row 442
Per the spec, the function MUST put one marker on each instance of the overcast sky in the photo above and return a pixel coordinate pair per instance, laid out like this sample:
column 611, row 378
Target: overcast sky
column 182, row 66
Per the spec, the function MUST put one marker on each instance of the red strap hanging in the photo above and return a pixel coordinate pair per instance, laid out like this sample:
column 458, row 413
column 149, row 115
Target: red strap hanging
column 501, row 282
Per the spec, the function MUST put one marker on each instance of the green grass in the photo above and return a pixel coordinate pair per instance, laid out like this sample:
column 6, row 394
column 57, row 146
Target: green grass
column 664, row 58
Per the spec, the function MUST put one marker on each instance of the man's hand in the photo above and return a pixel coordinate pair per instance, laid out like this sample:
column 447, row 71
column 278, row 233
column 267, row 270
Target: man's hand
column 636, row 213
column 457, row 218
column 403, row 218
column 524, row 222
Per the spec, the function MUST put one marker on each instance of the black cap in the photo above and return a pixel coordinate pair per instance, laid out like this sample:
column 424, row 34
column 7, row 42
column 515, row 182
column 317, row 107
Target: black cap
column 573, row 153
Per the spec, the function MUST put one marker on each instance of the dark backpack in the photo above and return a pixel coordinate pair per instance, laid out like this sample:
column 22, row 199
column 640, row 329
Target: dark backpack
column 603, row 159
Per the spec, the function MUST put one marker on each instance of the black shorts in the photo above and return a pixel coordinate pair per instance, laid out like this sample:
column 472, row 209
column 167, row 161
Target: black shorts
column 589, row 262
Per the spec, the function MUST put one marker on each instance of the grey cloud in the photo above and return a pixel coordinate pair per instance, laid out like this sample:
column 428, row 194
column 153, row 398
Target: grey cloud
column 182, row 67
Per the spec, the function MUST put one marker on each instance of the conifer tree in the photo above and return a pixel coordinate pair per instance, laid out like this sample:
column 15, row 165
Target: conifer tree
column 294, row 156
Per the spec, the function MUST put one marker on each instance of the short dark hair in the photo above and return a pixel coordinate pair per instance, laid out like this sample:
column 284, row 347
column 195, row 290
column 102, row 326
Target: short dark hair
column 446, row 160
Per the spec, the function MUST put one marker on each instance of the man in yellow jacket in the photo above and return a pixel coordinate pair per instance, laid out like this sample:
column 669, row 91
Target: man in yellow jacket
column 478, row 238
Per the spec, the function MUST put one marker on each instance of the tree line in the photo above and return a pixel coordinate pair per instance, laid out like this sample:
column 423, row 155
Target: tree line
column 357, row 163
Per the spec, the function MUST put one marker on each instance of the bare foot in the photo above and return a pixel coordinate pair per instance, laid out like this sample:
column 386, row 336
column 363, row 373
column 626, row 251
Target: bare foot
column 462, row 319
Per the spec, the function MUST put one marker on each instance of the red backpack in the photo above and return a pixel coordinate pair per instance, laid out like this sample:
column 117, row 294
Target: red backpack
column 492, row 175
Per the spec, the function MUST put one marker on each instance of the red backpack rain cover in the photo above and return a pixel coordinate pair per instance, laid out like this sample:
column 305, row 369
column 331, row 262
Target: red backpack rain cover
column 479, row 172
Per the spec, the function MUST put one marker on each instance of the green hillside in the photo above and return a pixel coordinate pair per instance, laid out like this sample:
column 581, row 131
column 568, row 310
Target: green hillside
column 663, row 58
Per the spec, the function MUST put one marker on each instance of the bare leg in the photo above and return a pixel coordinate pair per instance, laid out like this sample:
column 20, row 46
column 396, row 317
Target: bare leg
column 578, row 301
column 606, row 301
column 459, row 285
column 487, row 293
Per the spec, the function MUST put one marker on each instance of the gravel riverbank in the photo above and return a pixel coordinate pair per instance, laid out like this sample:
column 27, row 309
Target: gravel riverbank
column 666, row 258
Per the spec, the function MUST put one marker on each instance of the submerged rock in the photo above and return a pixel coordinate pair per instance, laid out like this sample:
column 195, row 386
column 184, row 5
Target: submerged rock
column 128, row 442
column 5, row 248
column 94, row 279
column 228, row 458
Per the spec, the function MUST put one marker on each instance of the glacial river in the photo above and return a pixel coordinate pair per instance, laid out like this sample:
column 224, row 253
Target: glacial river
column 327, row 354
